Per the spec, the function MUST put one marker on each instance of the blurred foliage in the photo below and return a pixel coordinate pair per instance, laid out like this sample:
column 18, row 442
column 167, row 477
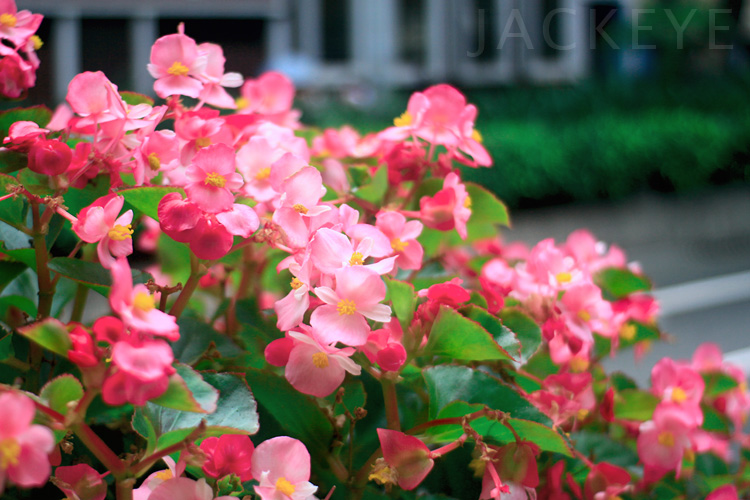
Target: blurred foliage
column 594, row 140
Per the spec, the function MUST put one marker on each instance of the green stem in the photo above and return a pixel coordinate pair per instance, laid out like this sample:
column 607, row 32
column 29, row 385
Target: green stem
column 79, row 302
column 46, row 290
column 124, row 489
column 391, row 403
column 188, row 289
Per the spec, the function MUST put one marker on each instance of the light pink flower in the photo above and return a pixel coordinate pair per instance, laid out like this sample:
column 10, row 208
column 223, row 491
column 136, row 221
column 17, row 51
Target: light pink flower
column 17, row 26
column 99, row 222
column 183, row 488
column 23, row 446
column 214, row 79
column 402, row 236
column 282, row 466
column 213, row 179
column 300, row 197
column 271, row 93
column 142, row 372
column 358, row 294
column 330, row 251
column 662, row 441
column 176, row 64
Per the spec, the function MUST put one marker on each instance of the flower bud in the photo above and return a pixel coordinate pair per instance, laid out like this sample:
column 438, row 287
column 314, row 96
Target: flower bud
column 49, row 157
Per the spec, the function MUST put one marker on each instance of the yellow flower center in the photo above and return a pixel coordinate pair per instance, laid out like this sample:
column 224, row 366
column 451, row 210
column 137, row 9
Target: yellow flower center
column 8, row 20
column 284, row 486
column 301, row 209
column 120, row 233
column 404, row 120
column 666, row 438
column 242, row 102
column 398, row 246
column 320, row 360
column 582, row 413
column 467, row 202
column 178, row 69
column 357, row 259
column 296, row 283
column 202, row 142
column 153, row 161
column 578, row 365
column 164, row 475
column 477, row 136
column 263, row 173
column 215, row 180
column 144, row 302
column 584, row 315
column 383, row 474
column 679, row 395
column 628, row 332
column 346, row 307
column 563, row 277
column 36, row 41
column 9, row 452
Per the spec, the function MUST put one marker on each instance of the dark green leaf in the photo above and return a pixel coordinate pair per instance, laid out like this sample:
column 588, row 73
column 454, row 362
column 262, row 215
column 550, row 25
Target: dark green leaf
column 38, row 184
column 9, row 271
column 602, row 448
column 197, row 337
column 11, row 161
column 78, row 199
column 188, row 391
column 714, row 421
column 60, row 391
column 50, row 334
column 457, row 337
column 447, row 384
column 618, row 283
column 632, row 404
column 90, row 274
column 40, row 115
column 502, row 335
column 11, row 209
column 527, row 331
column 376, row 189
column 6, row 347
column 146, row 199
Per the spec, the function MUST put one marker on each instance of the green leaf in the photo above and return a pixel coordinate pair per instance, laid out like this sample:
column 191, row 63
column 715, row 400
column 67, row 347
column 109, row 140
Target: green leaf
column 526, row 329
column 236, row 413
column 197, row 337
column 632, row 404
column 40, row 115
column 25, row 255
column 457, row 337
column 718, row 383
column 502, row 335
column 78, row 199
column 49, row 333
column 146, row 199
column 24, row 304
column 11, row 161
column 354, row 396
column 187, row 391
column 486, row 207
column 11, row 209
column 376, row 189
column 38, row 184
column 403, row 298
column 539, row 434
column 618, row 283
column 602, row 448
column 6, row 347
column 447, row 384
column 90, row 274
column 9, row 271
column 713, row 421
column 134, row 98
column 295, row 412
column 60, row 391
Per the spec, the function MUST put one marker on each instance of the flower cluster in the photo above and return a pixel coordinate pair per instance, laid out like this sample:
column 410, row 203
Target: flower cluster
column 18, row 59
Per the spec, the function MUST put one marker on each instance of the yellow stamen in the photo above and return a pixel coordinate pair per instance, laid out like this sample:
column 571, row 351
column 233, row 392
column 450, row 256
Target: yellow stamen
column 383, row 474
column 263, row 173
column 584, row 315
column 9, row 452
column 178, row 69
column 36, row 41
column 164, row 475
column 144, row 301
column 477, row 136
column 215, row 180
column 579, row 365
column 467, row 202
column 582, row 413
column 666, row 438
column 320, row 360
column 8, row 20
column 301, row 209
column 202, row 142
column 296, row 283
column 679, row 395
column 404, row 120
column 120, row 233
column 284, row 486
column 153, row 161
column 357, row 259
column 398, row 246
column 242, row 102
column 627, row 332
column 563, row 277
column 346, row 307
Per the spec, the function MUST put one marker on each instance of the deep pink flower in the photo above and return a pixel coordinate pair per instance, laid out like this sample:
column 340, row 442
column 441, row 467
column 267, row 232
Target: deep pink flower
column 662, row 441
column 726, row 492
column 23, row 446
column 16, row 74
column 142, row 372
column 85, row 354
column 449, row 208
column 99, row 222
column 80, row 482
column 23, row 134
column 282, row 466
column 228, row 454
column 407, row 456
column 49, row 157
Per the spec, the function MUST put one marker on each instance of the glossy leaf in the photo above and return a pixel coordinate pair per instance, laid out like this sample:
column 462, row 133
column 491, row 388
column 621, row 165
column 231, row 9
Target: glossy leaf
column 718, row 383
column 60, row 391
column 197, row 337
column 486, row 207
column 188, row 391
column 457, row 337
column 403, row 298
column 602, row 448
column 49, row 333
column 526, row 330
column 11, row 209
column 146, row 199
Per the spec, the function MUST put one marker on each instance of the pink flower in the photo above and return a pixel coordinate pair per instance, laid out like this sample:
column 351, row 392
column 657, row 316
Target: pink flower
column 330, row 251
column 17, row 26
column 157, row 153
column 271, row 93
column 228, row 454
column 606, row 481
column 23, row 446
column 84, row 353
column 136, row 306
column 183, row 488
column 449, row 208
column 212, row 179
column 49, row 157
column 402, row 235
column 407, row 456
column 80, row 482
column 300, row 195
column 317, row 369
column 726, row 492
column 16, row 74
column 282, row 466
column 23, row 134
column 176, row 64
column 662, row 441
column 680, row 385
column 142, row 372
column 511, row 473
column 214, row 79
column 99, row 222
column 358, row 294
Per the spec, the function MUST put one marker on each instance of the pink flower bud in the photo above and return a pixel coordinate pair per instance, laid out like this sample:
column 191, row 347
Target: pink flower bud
column 49, row 157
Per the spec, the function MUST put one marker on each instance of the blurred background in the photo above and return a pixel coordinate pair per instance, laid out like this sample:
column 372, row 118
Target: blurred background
column 629, row 117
